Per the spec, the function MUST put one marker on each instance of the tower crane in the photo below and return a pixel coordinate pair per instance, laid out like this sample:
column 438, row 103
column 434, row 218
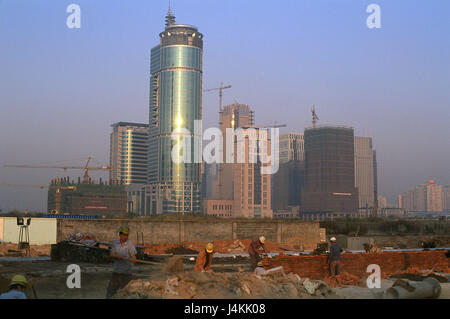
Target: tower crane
column 23, row 185
column 85, row 168
column 314, row 116
column 220, row 89
column 57, row 209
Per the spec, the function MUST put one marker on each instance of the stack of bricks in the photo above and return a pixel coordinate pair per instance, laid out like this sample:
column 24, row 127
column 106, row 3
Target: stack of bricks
column 316, row 267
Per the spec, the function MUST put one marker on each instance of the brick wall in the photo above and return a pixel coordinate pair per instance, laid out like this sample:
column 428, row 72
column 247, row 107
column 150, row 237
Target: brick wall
column 315, row 267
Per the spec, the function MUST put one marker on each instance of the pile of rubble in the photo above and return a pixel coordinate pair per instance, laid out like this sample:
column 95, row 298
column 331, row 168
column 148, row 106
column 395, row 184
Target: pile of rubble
column 82, row 238
column 241, row 285
column 344, row 279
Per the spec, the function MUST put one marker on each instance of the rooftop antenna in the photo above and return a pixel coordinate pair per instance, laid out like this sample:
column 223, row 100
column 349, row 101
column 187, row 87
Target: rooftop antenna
column 170, row 17
column 314, row 116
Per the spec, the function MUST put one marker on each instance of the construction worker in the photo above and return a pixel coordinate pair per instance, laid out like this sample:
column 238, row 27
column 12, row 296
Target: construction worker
column 259, row 270
column 204, row 258
column 124, row 254
column 16, row 288
column 334, row 258
column 254, row 250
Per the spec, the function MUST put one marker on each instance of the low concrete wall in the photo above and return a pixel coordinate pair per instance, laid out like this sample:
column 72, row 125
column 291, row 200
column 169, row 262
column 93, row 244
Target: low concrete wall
column 42, row 230
column 163, row 232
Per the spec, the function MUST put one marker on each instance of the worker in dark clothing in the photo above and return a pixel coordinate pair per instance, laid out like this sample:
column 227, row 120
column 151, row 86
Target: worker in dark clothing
column 334, row 258
column 204, row 258
column 254, row 250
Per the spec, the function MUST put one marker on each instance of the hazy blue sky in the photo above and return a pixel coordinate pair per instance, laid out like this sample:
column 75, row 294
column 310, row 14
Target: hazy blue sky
column 61, row 89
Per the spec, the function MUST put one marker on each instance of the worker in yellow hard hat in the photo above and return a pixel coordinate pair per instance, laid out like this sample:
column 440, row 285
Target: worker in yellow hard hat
column 204, row 258
column 16, row 288
column 124, row 253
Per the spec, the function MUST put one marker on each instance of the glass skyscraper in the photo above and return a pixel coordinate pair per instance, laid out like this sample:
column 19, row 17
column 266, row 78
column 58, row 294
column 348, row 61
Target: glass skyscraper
column 175, row 102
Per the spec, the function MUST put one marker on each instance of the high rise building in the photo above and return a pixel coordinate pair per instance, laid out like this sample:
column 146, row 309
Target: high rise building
column 434, row 197
column 176, row 69
column 329, row 171
column 292, row 147
column 382, row 201
column 446, row 197
column 239, row 189
column 232, row 117
column 289, row 180
column 365, row 176
column 427, row 197
column 287, row 184
column 128, row 153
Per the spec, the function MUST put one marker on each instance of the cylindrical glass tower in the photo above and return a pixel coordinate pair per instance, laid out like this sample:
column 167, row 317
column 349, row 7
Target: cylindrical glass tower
column 175, row 102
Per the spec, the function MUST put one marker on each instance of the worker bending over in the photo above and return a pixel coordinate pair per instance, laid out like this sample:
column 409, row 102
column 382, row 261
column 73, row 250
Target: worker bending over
column 124, row 254
column 16, row 288
column 334, row 258
column 204, row 258
column 254, row 250
column 259, row 270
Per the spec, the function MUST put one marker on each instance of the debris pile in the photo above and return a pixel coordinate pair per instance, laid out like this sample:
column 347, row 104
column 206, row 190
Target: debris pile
column 174, row 265
column 371, row 248
column 194, row 285
column 82, row 238
column 344, row 279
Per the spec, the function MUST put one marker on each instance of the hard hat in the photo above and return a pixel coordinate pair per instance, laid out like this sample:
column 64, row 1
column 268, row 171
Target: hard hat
column 333, row 239
column 124, row 230
column 209, row 248
column 19, row 280
column 259, row 264
column 262, row 239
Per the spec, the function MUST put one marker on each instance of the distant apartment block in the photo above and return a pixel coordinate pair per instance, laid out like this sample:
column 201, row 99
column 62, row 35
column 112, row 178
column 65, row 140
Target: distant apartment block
column 427, row 197
column 446, row 197
column 382, row 202
column 128, row 153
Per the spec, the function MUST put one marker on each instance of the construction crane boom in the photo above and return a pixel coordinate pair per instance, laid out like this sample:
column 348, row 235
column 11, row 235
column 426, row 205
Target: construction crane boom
column 220, row 89
column 275, row 125
column 23, row 185
column 314, row 116
column 85, row 168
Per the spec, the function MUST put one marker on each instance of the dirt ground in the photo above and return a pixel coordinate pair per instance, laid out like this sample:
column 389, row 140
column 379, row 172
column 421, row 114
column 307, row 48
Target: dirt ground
column 155, row 281
column 35, row 250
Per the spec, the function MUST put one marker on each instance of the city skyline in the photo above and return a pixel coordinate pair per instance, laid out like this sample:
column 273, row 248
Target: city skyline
column 392, row 84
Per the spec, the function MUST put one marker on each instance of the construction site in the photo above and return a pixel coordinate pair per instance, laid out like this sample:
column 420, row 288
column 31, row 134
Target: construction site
column 296, row 266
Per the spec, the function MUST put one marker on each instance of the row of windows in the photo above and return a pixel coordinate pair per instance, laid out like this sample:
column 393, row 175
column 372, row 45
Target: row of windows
column 222, row 207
